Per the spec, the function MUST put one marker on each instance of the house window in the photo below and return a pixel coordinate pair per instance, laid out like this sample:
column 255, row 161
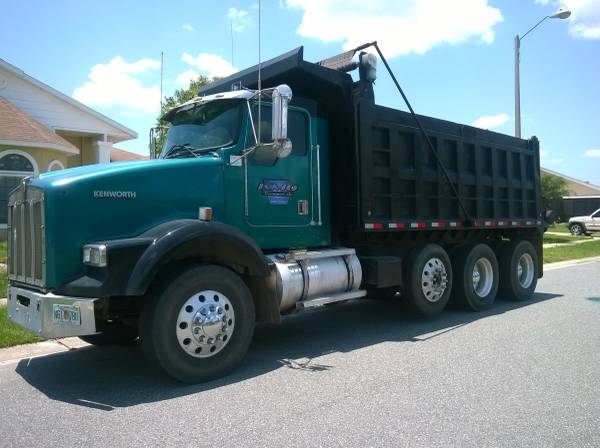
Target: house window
column 14, row 166
column 56, row 165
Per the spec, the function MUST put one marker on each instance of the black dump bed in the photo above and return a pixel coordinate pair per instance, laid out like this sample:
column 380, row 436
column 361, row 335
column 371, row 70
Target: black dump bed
column 401, row 182
column 384, row 178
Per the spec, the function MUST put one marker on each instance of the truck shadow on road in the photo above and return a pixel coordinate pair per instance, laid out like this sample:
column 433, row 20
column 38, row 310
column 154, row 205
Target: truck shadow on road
column 106, row 378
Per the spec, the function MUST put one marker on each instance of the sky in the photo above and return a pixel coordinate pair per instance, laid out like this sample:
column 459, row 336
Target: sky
column 454, row 59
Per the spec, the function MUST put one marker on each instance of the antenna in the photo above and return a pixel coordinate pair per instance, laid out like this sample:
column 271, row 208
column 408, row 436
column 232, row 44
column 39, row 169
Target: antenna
column 231, row 33
column 259, row 81
column 161, row 81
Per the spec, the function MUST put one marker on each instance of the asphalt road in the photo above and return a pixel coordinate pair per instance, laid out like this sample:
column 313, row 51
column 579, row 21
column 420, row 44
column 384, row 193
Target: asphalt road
column 360, row 374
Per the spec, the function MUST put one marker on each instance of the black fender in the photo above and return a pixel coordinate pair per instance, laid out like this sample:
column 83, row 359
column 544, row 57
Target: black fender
column 214, row 242
column 133, row 263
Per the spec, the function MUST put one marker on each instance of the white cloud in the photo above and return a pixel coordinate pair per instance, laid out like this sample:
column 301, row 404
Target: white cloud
column 240, row 19
column 116, row 84
column 584, row 22
column 188, row 27
column 491, row 121
column 585, row 18
column 209, row 64
column 186, row 77
column 594, row 153
column 400, row 27
column 545, row 160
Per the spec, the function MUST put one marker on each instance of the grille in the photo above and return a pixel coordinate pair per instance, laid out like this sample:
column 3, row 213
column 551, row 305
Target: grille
column 26, row 248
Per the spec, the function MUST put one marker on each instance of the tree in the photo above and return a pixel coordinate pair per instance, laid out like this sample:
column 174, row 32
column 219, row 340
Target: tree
column 180, row 96
column 553, row 187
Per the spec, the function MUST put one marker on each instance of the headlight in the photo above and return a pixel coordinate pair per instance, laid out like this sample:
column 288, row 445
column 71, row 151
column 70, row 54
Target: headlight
column 94, row 255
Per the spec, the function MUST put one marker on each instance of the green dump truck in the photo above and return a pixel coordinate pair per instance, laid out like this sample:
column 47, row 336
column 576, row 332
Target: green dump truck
column 268, row 202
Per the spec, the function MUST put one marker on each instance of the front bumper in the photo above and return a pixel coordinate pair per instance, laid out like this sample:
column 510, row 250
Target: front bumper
column 35, row 312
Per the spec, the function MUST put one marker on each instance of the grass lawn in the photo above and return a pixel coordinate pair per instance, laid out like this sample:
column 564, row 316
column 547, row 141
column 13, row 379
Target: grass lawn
column 563, row 239
column 11, row 334
column 3, row 252
column 572, row 251
column 559, row 228
column 3, row 283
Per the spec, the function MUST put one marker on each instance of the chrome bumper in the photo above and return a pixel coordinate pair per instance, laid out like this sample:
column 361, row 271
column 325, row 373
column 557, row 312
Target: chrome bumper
column 34, row 311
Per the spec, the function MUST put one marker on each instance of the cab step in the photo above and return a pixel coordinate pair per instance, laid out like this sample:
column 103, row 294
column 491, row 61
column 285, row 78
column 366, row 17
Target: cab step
column 320, row 301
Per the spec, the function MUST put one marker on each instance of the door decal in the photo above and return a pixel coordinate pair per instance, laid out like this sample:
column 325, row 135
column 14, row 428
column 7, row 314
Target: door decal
column 277, row 191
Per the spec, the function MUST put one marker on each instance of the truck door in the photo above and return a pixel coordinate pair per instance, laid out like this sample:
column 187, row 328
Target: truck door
column 279, row 191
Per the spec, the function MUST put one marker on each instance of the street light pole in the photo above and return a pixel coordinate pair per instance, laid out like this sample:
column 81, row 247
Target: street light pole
column 560, row 14
column 517, row 87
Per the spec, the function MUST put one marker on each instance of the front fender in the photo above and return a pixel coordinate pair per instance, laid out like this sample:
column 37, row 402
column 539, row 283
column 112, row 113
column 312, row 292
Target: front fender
column 134, row 262
column 186, row 239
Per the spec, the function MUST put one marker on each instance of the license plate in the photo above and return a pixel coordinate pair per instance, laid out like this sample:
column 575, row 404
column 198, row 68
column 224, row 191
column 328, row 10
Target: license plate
column 66, row 314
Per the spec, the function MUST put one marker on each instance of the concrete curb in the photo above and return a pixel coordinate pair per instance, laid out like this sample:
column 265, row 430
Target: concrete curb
column 12, row 355
column 569, row 263
column 573, row 243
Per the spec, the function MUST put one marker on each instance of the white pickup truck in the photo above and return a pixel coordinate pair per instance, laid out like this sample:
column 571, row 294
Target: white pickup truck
column 584, row 225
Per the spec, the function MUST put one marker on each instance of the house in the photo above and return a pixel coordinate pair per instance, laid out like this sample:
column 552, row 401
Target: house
column 583, row 197
column 42, row 129
column 120, row 155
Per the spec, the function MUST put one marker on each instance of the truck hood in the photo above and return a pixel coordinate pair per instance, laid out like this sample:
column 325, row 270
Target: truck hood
column 90, row 172
column 121, row 200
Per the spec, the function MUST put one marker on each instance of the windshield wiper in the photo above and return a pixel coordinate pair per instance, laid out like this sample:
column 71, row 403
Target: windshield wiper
column 177, row 147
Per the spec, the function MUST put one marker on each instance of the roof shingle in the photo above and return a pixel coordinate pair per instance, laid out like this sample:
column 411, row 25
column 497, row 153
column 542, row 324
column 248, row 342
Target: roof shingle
column 16, row 125
column 120, row 155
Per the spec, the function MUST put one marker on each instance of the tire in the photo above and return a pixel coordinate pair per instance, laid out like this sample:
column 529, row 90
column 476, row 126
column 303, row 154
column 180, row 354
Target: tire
column 518, row 282
column 476, row 277
column 113, row 333
column 428, row 279
column 576, row 229
column 199, row 325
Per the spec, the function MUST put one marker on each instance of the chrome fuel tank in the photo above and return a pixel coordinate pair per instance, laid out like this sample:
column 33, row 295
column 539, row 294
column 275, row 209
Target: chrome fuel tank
column 300, row 276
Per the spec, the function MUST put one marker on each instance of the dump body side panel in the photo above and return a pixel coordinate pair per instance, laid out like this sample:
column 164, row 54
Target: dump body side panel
column 401, row 182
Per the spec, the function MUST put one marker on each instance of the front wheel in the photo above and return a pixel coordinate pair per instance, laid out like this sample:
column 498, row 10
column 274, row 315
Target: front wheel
column 576, row 229
column 200, row 324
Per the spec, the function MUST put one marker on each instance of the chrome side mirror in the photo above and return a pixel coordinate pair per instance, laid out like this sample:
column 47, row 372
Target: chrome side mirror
column 156, row 140
column 282, row 95
column 152, row 143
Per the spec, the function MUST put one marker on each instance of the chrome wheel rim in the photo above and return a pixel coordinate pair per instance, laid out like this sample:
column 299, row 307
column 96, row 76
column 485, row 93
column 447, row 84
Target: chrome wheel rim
column 434, row 279
column 525, row 270
column 483, row 277
column 576, row 229
column 205, row 324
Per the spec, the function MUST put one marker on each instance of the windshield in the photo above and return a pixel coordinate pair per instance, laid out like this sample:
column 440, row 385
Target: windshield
column 205, row 127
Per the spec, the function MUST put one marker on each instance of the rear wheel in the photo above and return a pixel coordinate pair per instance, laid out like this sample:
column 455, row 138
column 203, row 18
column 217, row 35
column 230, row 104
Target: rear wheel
column 113, row 333
column 428, row 279
column 200, row 324
column 519, row 267
column 476, row 269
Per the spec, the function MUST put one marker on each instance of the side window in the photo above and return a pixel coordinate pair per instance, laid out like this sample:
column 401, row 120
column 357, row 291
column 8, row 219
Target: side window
column 298, row 132
column 297, row 129
column 265, row 124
